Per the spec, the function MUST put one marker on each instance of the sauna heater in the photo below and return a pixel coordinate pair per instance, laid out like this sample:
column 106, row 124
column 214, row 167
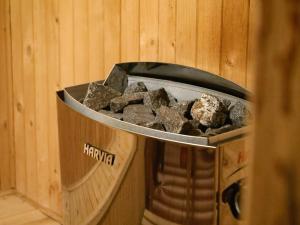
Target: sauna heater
column 147, row 176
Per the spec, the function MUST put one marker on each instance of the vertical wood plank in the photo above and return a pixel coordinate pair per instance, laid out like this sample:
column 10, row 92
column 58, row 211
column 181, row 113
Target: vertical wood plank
column 130, row 30
column 149, row 30
column 186, row 20
column 29, row 98
column 209, row 15
column 54, row 188
column 12, row 160
column 112, row 30
column 81, row 41
column 66, row 42
column 167, row 30
column 3, row 105
column 18, row 92
column 254, row 24
column 234, row 41
column 6, row 150
column 41, row 108
column 96, row 40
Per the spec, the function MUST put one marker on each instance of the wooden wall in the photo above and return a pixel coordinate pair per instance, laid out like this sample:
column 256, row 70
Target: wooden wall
column 7, row 163
column 275, row 180
column 60, row 43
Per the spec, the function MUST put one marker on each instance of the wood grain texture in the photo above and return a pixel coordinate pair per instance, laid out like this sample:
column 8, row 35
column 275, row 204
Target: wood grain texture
column 149, row 30
column 234, row 40
column 15, row 210
column 7, row 162
column 209, row 18
column 112, row 28
column 55, row 44
column 130, row 30
column 167, row 31
column 275, row 176
column 234, row 162
column 186, row 32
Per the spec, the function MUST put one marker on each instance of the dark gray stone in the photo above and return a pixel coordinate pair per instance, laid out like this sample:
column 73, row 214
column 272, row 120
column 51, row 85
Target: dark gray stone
column 239, row 114
column 117, row 79
column 194, row 123
column 209, row 111
column 195, row 132
column 99, row 96
column 155, row 99
column 118, row 116
column 154, row 125
column 172, row 99
column 183, row 107
column 226, row 103
column 136, row 87
column 117, row 104
column 223, row 129
column 172, row 120
column 138, row 114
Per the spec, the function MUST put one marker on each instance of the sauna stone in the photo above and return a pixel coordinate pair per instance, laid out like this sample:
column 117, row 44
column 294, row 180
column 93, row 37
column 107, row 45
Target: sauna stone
column 118, row 116
column 172, row 100
column 239, row 114
column 195, row 132
column 223, row 129
column 226, row 103
column 155, row 99
column 154, row 125
column 135, row 87
column 138, row 114
column 172, row 120
column 117, row 104
column 118, row 80
column 209, row 111
column 98, row 96
column 183, row 107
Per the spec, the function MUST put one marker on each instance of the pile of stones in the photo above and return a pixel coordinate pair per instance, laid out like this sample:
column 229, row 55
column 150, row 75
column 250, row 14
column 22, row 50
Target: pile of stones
column 158, row 109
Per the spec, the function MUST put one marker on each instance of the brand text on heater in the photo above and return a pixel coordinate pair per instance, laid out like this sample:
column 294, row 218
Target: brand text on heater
column 99, row 154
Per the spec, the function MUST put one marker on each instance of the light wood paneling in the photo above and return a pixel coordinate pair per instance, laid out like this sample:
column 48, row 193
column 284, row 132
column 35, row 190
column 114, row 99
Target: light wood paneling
column 130, row 30
column 234, row 41
column 15, row 210
column 60, row 43
column 7, row 162
column 186, row 20
column 209, row 17
column 112, row 28
column 167, row 31
column 148, row 30
column 35, row 58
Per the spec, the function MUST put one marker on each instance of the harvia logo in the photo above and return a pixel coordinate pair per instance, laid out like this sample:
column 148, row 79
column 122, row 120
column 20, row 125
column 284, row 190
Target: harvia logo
column 99, row 154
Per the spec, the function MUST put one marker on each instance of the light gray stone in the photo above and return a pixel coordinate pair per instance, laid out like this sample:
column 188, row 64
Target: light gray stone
column 209, row 111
